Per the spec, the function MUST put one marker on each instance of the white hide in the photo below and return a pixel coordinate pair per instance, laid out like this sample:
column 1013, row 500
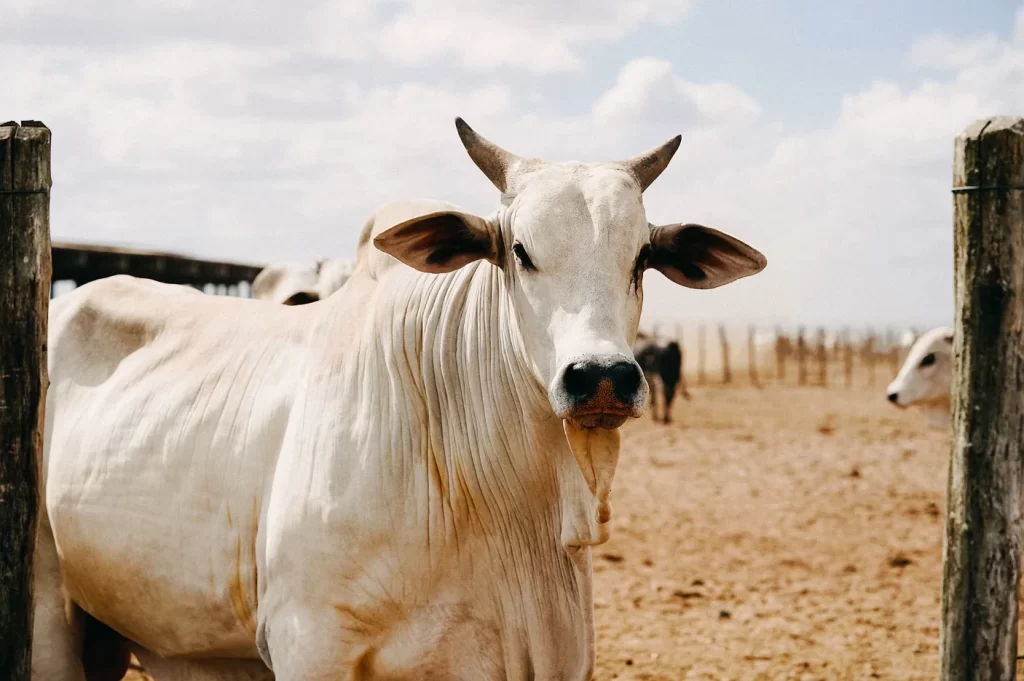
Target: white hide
column 284, row 283
column 332, row 275
column 925, row 379
column 394, row 483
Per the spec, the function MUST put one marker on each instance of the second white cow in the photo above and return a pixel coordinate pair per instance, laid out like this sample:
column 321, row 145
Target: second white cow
column 926, row 376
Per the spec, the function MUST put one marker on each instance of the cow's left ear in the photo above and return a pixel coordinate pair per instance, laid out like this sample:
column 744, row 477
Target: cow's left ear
column 696, row 256
column 440, row 242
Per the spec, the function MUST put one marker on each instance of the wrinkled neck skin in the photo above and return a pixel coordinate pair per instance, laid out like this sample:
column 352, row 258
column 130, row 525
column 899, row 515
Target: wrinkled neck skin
column 484, row 462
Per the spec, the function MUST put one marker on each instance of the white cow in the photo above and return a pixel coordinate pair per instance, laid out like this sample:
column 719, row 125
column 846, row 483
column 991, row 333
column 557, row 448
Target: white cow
column 400, row 482
column 926, row 376
column 287, row 283
column 291, row 283
column 332, row 275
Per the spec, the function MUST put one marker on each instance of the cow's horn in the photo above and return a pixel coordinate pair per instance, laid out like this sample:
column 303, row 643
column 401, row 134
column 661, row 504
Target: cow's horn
column 649, row 165
column 494, row 161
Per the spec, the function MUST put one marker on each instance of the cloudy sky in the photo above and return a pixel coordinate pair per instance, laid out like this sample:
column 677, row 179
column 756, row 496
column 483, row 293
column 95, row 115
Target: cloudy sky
column 821, row 133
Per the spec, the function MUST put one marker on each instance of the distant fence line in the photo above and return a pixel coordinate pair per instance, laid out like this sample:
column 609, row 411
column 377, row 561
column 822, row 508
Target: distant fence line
column 806, row 357
column 78, row 264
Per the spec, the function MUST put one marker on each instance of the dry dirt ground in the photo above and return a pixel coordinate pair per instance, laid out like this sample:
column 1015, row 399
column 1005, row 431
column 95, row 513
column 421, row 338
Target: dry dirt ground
column 783, row 533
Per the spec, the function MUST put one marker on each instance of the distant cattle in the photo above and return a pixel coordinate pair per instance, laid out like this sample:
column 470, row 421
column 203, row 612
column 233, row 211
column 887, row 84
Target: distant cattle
column 662, row 364
column 926, row 376
column 332, row 275
column 292, row 283
column 287, row 283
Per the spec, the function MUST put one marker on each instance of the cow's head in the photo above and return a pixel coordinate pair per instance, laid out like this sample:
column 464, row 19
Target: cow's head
column 574, row 241
column 926, row 376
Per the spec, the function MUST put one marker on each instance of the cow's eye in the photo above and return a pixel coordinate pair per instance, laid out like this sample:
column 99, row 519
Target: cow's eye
column 523, row 257
column 928, row 360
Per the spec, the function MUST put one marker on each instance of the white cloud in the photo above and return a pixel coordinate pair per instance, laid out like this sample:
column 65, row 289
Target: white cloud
column 265, row 141
column 482, row 35
column 648, row 90
column 539, row 35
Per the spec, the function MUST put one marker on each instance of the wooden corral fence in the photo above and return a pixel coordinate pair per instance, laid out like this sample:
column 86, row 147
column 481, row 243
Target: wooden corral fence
column 822, row 358
column 24, row 301
column 81, row 263
column 982, row 547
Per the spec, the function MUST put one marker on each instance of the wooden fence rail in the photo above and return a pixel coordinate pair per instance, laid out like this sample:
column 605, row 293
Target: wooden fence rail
column 83, row 263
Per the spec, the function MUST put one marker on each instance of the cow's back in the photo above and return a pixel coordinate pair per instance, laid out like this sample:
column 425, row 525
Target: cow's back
column 164, row 419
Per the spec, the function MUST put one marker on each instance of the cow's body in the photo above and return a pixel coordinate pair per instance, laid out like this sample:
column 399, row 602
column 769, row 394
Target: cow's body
column 402, row 481
column 662, row 363
column 305, row 502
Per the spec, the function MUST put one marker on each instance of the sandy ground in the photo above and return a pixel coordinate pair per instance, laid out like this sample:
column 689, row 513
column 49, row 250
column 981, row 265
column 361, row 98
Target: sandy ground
column 786, row 533
column 783, row 533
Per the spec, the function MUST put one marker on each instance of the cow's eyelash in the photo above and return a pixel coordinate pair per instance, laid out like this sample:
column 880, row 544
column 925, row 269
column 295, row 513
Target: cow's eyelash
column 523, row 257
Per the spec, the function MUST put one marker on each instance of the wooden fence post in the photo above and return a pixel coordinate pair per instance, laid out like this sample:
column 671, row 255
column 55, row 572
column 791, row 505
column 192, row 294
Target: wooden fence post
column 723, row 339
column 752, row 356
column 801, row 357
column 982, row 548
column 892, row 349
column 848, row 358
column 781, row 350
column 24, row 302
column 682, row 363
column 868, row 352
column 701, row 355
column 822, row 358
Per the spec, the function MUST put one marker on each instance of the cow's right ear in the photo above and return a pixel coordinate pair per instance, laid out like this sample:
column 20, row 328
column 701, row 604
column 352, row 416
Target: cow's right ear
column 440, row 242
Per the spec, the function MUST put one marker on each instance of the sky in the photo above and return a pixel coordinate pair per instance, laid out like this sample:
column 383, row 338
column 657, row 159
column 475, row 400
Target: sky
column 820, row 133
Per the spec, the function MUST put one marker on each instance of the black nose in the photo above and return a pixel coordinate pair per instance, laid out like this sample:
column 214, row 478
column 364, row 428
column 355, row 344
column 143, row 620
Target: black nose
column 582, row 380
column 894, row 397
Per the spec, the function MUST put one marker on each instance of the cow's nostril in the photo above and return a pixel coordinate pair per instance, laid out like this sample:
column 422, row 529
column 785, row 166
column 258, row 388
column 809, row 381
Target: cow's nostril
column 625, row 378
column 580, row 380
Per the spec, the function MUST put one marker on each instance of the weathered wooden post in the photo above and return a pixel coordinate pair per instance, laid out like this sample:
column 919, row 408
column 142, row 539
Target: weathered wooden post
column 723, row 340
column 24, row 303
column 982, row 548
column 801, row 357
column 752, row 356
column 701, row 355
column 822, row 358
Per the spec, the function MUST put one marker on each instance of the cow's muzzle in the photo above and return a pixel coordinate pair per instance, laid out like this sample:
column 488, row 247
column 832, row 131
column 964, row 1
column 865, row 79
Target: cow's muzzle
column 600, row 391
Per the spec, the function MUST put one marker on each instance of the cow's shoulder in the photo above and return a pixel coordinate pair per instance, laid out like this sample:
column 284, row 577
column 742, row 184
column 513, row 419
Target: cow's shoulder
column 100, row 323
